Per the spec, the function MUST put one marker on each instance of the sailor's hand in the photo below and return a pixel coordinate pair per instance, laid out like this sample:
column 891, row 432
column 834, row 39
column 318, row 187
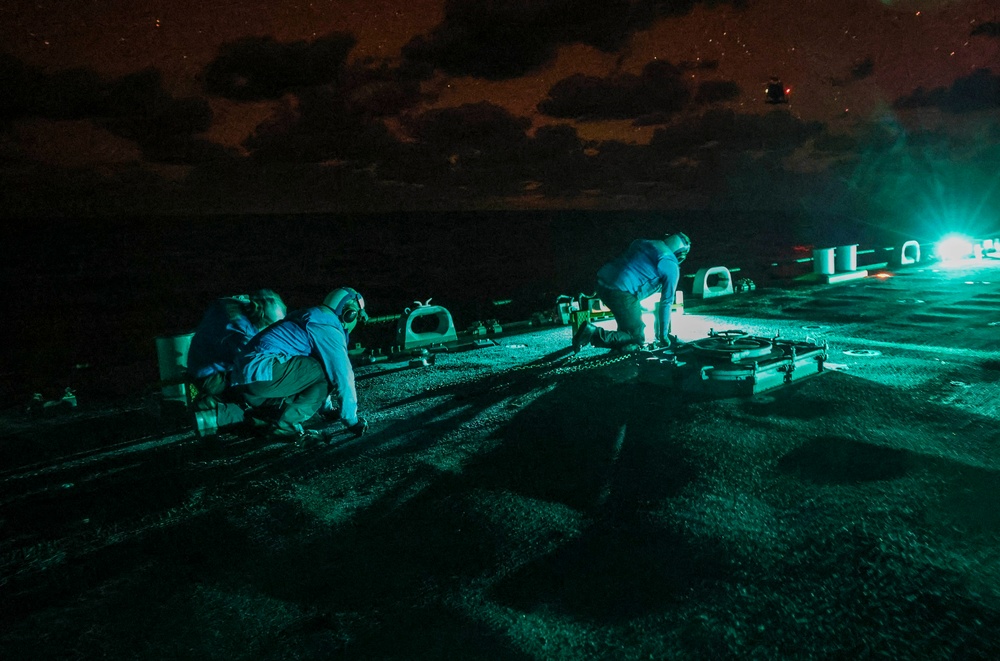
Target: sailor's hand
column 663, row 342
column 359, row 427
column 673, row 341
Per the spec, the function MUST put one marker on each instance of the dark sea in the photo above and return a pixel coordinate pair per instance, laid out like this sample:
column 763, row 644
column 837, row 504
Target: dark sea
column 88, row 297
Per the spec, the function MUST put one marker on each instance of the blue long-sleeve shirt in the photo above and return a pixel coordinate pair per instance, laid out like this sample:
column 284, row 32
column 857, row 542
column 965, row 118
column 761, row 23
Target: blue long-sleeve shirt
column 313, row 332
column 218, row 337
column 647, row 266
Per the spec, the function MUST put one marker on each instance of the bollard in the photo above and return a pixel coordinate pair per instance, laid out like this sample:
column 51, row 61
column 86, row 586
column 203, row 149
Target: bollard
column 907, row 254
column 847, row 259
column 722, row 285
column 823, row 261
column 435, row 327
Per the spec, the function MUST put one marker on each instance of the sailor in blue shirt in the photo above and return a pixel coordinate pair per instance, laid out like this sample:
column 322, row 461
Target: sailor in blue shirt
column 645, row 268
column 298, row 362
column 227, row 325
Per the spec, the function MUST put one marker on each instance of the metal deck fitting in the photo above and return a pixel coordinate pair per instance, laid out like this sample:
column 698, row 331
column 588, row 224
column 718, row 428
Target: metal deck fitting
column 437, row 324
column 733, row 363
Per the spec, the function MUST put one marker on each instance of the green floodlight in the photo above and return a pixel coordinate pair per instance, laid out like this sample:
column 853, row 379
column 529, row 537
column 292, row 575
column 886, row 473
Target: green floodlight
column 954, row 247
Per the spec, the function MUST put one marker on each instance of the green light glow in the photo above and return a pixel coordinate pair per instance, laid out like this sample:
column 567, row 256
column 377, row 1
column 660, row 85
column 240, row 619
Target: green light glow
column 954, row 247
column 919, row 184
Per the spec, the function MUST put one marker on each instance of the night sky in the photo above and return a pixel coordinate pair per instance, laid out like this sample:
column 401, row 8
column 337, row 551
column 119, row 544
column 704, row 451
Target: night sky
column 216, row 106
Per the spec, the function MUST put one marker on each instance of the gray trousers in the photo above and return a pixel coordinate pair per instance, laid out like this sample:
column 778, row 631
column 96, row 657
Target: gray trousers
column 214, row 394
column 628, row 314
column 298, row 387
column 210, row 389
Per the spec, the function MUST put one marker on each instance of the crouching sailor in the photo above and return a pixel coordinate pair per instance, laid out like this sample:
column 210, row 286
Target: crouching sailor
column 227, row 325
column 645, row 268
column 294, row 365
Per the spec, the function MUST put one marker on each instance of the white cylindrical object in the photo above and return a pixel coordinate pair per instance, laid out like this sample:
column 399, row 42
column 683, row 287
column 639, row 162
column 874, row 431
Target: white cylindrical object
column 172, row 353
column 823, row 261
column 847, row 259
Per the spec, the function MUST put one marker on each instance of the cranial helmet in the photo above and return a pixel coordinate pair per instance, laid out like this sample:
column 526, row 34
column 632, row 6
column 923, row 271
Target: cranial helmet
column 348, row 305
column 679, row 244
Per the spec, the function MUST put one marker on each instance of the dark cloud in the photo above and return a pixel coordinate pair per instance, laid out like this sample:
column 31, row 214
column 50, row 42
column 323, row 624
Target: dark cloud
column 482, row 150
column 135, row 107
column 380, row 91
column 460, row 157
column 559, row 162
column 658, row 89
column 980, row 90
column 479, row 127
column 506, row 38
column 162, row 126
column 454, row 158
column 619, row 166
column 860, row 69
column 777, row 130
column 863, row 69
column 480, row 146
column 500, row 39
column 82, row 94
column 698, row 65
column 319, row 125
column 70, row 94
column 716, row 91
column 184, row 150
column 257, row 68
column 139, row 109
column 990, row 29
column 490, row 154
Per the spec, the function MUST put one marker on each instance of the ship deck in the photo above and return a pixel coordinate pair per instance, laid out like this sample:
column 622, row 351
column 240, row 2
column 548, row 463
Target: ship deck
column 513, row 501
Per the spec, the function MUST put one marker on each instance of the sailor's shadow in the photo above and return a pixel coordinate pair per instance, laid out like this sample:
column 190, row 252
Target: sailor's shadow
column 461, row 402
column 615, row 573
column 592, row 443
column 790, row 403
column 615, row 452
column 836, row 460
column 612, row 451
column 31, row 442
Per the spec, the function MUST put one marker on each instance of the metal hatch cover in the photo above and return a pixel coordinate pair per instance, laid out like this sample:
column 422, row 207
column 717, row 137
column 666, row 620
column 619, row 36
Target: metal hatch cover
column 732, row 346
column 734, row 363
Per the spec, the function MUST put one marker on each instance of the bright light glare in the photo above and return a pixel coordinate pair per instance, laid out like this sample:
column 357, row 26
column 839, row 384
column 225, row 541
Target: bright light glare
column 649, row 322
column 954, row 246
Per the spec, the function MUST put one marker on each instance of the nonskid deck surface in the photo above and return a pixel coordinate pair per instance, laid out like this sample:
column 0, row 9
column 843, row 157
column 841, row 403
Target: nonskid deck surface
column 525, row 490
column 930, row 336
